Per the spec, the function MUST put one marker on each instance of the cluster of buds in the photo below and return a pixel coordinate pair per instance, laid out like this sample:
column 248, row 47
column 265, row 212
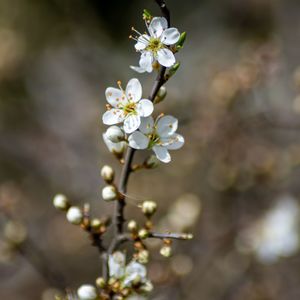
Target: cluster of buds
column 81, row 216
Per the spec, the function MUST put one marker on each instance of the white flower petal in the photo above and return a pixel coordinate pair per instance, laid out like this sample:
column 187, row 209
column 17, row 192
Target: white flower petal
column 146, row 126
column 167, row 126
column 162, row 154
column 174, row 142
column 116, row 264
column 145, row 108
column 138, row 69
column 170, row 36
column 132, row 123
column 142, row 42
column 166, row 57
column 137, row 140
column 157, row 26
column 134, row 90
column 146, row 61
column 113, row 116
column 134, row 270
column 114, row 96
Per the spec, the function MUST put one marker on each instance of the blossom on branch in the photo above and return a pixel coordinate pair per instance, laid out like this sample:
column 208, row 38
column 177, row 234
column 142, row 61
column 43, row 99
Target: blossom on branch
column 127, row 106
column 160, row 136
column 155, row 46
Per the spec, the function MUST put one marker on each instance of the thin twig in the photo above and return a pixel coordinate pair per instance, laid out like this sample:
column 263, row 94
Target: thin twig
column 175, row 236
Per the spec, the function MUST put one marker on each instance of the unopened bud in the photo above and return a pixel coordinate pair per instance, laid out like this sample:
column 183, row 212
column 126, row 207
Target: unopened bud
column 143, row 233
column 107, row 173
column 109, row 193
column 149, row 208
column 161, row 95
column 147, row 15
column 96, row 223
column 143, row 257
column 74, row 215
column 115, row 134
column 132, row 226
column 173, row 70
column 147, row 287
column 181, row 41
column 61, row 202
column 87, row 292
column 166, row 251
column 100, row 282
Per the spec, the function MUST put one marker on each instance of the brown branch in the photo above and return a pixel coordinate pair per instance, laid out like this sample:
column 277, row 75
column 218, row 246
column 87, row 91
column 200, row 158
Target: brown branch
column 119, row 218
column 174, row 236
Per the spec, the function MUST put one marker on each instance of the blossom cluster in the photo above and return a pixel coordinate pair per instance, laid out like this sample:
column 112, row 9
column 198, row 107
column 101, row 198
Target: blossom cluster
column 132, row 127
column 131, row 111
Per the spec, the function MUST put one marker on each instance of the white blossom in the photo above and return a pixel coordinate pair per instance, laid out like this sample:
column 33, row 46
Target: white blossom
column 160, row 136
column 109, row 193
column 87, row 292
column 116, row 264
column 155, row 45
column 133, row 271
column 127, row 106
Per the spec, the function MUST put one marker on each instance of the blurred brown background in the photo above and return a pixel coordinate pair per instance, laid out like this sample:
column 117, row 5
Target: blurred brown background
column 235, row 184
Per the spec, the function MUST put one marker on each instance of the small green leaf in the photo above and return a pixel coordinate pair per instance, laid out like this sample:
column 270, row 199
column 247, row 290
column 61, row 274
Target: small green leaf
column 181, row 41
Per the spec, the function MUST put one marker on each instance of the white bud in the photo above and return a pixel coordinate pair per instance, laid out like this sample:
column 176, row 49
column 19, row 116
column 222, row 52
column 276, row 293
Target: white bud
column 116, row 148
column 143, row 256
column 166, row 251
column 15, row 232
column 60, row 202
column 107, row 173
column 74, row 215
column 115, row 134
column 147, row 287
column 149, row 208
column 109, row 193
column 87, row 292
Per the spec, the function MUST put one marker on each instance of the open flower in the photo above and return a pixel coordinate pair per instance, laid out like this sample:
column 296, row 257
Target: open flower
column 155, row 45
column 160, row 136
column 127, row 106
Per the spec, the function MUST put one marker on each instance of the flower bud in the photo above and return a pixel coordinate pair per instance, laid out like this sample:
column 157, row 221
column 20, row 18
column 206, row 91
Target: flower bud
column 96, row 223
column 87, row 292
column 147, row 287
column 74, row 215
column 149, row 208
column 166, row 251
column 115, row 148
column 143, row 233
column 181, row 41
column 107, row 173
column 115, row 134
column 132, row 226
column 173, row 70
column 143, row 257
column 100, row 282
column 109, row 193
column 61, row 202
column 161, row 95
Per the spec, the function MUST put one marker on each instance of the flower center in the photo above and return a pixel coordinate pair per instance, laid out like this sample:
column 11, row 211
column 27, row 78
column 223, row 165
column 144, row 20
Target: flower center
column 153, row 139
column 154, row 45
column 130, row 108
